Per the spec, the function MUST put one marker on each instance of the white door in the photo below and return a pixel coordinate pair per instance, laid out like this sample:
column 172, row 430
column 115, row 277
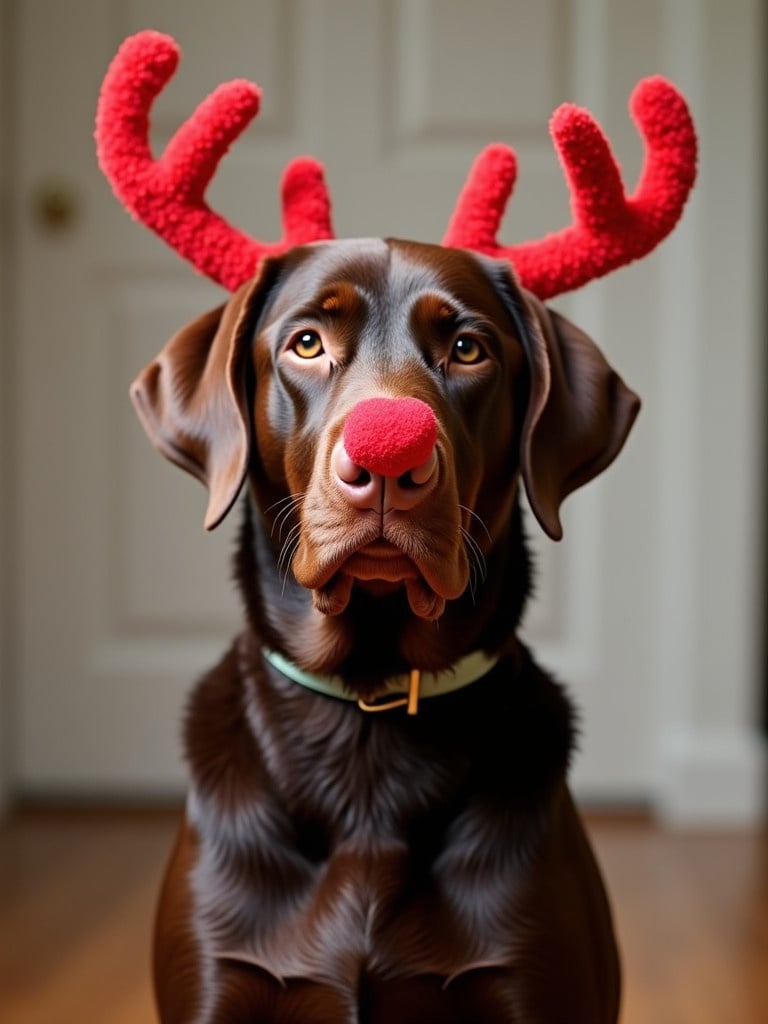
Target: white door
column 122, row 599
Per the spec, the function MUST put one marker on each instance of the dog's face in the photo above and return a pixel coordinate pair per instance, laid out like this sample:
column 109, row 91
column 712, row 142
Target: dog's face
column 269, row 385
column 371, row 320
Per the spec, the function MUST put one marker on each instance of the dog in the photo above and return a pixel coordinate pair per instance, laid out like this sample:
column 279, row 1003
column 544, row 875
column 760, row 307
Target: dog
column 359, row 854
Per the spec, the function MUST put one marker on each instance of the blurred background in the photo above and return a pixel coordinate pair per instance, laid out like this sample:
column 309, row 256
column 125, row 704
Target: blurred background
column 112, row 597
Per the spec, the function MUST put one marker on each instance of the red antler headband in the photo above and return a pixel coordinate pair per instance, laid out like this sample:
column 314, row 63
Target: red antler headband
column 168, row 194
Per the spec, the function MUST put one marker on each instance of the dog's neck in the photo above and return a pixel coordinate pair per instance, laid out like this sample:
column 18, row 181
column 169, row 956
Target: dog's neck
column 377, row 637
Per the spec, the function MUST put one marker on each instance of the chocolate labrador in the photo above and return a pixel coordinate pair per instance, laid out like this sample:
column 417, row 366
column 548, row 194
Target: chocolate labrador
column 379, row 826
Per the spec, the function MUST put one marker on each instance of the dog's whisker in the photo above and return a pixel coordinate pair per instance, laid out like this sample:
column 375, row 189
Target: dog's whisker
column 472, row 592
column 287, row 566
column 285, row 574
column 289, row 505
column 471, row 512
column 477, row 565
column 481, row 561
column 476, row 580
column 283, row 549
column 285, row 515
column 288, row 499
column 476, row 556
column 472, row 582
column 288, row 550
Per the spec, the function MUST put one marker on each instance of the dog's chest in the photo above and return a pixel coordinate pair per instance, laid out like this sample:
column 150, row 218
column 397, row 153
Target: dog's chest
column 348, row 865
column 370, row 909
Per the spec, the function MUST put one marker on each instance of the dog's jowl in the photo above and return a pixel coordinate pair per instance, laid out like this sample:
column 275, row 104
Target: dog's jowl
column 379, row 827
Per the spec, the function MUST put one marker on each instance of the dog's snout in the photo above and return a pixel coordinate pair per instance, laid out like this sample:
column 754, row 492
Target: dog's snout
column 386, row 456
column 364, row 489
column 390, row 436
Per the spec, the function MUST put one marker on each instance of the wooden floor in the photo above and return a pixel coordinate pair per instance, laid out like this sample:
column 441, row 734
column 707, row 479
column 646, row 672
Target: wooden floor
column 77, row 891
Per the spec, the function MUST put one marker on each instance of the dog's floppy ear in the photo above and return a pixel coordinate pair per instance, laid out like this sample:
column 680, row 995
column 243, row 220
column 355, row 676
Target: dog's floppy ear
column 578, row 416
column 192, row 399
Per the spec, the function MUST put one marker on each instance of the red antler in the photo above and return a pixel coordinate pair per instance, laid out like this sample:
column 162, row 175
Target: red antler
column 609, row 229
column 168, row 194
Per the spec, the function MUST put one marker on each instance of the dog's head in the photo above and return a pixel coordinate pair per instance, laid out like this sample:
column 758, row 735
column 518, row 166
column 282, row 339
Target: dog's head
column 476, row 384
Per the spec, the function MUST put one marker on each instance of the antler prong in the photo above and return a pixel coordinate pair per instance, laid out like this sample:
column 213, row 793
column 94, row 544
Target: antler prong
column 585, row 156
column 661, row 114
column 192, row 155
column 306, row 204
column 480, row 207
column 609, row 228
column 167, row 194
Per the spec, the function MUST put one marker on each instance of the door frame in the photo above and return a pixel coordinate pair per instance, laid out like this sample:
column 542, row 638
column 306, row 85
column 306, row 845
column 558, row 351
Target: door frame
column 7, row 361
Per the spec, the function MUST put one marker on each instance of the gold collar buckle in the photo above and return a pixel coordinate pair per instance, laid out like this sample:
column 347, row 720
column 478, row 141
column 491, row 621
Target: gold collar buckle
column 411, row 702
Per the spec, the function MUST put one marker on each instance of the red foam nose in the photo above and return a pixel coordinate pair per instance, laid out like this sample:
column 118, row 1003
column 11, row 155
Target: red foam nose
column 390, row 436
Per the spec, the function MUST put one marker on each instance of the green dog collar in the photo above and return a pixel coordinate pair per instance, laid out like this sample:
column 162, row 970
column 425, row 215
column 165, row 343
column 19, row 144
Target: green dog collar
column 404, row 690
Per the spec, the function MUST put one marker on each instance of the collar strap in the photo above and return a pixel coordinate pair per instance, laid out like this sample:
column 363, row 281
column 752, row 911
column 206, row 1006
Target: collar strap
column 403, row 690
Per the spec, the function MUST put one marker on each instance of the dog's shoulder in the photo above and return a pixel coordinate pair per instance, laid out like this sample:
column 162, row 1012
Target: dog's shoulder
column 219, row 742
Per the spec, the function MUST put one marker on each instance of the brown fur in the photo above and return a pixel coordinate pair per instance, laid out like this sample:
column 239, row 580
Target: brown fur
column 338, row 866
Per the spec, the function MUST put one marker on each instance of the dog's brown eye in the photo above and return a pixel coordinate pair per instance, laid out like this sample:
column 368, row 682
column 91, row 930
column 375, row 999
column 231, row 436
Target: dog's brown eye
column 308, row 345
column 467, row 351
